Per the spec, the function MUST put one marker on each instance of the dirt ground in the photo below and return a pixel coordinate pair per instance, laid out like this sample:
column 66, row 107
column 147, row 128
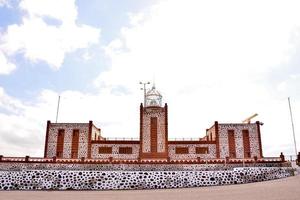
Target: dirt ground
column 282, row 189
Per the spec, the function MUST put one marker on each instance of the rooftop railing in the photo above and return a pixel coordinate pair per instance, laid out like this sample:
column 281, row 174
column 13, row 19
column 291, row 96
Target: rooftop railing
column 83, row 160
column 184, row 139
column 121, row 139
column 137, row 139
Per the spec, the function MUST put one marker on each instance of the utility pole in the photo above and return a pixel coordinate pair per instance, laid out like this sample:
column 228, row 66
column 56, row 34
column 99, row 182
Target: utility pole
column 57, row 108
column 293, row 127
column 144, row 88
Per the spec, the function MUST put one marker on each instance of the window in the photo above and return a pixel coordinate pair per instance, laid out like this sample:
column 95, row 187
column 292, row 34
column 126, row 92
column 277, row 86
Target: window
column 125, row 150
column 201, row 150
column 105, row 150
column 182, row 150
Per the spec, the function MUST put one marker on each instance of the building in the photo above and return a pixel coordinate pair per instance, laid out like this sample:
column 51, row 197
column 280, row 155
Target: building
column 84, row 140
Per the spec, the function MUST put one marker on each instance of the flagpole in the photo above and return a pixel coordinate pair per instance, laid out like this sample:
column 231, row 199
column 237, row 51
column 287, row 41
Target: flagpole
column 293, row 127
column 57, row 108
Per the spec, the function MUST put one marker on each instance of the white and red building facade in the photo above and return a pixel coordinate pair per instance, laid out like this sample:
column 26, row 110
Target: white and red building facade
column 84, row 140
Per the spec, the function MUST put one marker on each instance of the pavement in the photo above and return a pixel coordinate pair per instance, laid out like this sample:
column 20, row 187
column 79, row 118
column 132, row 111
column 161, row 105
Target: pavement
column 281, row 189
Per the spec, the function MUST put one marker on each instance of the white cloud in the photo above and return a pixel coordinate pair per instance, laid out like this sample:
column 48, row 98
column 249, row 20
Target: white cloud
column 6, row 67
column 65, row 11
column 86, row 56
column 4, row 3
column 210, row 60
column 40, row 41
column 23, row 124
column 289, row 87
column 282, row 86
column 227, row 37
column 19, row 133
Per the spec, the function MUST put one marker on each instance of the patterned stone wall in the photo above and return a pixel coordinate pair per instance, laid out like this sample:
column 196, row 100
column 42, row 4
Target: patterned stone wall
column 125, row 180
column 68, row 127
column 148, row 113
column 192, row 151
column 161, row 136
column 115, row 151
column 238, row 128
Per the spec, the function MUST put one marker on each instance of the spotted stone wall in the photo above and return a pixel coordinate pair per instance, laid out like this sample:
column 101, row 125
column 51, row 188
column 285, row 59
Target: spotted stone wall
column 125, row 180
column 238, row 128
column 115, row 151
column 68, row 127
column 192, row 152
column 148, row 113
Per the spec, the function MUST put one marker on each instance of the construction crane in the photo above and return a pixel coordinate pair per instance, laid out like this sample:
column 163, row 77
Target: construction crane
column 248, row 120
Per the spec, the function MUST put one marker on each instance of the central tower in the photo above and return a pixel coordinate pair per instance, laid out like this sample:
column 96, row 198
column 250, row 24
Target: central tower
column 153, row 127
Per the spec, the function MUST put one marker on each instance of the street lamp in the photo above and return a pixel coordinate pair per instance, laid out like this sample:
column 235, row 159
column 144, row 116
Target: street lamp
column 144, row 88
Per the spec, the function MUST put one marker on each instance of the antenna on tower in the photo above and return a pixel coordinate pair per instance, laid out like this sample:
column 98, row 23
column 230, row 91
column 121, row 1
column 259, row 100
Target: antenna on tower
column 145, row 89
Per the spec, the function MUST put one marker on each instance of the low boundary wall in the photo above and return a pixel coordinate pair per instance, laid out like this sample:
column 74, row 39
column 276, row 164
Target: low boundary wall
column 17, row 166
column 114, row 180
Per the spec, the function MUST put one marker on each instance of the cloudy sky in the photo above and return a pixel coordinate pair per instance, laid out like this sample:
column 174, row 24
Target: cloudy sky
column 211, row 60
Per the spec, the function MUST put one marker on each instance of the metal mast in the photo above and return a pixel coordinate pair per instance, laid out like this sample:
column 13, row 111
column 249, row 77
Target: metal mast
column 57, row 108
column 293, row 126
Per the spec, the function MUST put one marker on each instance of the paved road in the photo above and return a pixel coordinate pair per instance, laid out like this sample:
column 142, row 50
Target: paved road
column 282, row 189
